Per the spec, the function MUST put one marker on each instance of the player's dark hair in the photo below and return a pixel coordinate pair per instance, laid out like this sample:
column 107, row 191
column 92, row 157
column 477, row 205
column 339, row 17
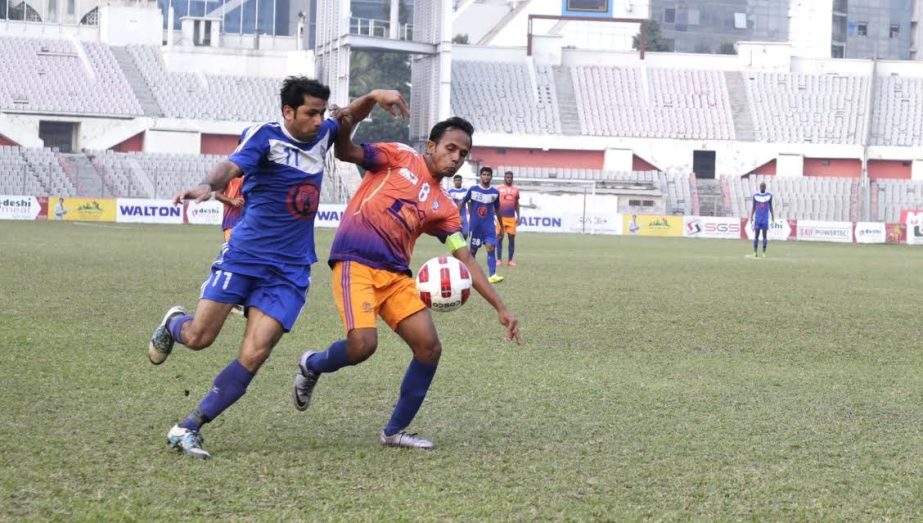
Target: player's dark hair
column 487, row 170
column 455, row 122
column 457, row 176
column 295, row 87
column 508, row 172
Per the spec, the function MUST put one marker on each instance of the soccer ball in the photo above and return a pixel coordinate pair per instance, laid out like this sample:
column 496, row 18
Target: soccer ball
column 444, row 283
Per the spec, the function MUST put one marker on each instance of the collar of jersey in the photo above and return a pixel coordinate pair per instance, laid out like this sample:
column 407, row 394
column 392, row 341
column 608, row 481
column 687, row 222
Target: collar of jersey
column 320, row 133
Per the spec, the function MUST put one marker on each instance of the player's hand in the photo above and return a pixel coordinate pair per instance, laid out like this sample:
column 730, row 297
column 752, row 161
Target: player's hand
column 392, row 101
column 199, row 193
column 237, row 202
column 512, row 326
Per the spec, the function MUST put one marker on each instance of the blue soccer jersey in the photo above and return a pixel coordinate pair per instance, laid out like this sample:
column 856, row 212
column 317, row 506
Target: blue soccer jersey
column 482, row 203
column 762, row 207
column 458, row 196
column 282, row 183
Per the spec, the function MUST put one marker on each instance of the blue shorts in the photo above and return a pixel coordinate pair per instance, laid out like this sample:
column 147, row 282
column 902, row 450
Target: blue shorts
column 480, row 238
column 760, row 226
column 256, row 285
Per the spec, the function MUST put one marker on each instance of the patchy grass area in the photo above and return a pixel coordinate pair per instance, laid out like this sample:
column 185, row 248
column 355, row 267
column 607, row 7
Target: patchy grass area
column 659, row 379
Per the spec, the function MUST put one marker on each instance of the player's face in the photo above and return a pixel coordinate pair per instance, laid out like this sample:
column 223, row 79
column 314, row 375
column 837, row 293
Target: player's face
column 304, row 121
column 449, row 153
column 508, row 178
column 486, row 177
column 457, row 182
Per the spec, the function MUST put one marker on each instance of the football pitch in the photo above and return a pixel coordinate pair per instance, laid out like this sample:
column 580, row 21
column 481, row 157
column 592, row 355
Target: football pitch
column 666, row 379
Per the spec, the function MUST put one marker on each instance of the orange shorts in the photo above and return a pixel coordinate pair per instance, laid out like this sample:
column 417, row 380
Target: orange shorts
column 362, row 293
column 509, row 225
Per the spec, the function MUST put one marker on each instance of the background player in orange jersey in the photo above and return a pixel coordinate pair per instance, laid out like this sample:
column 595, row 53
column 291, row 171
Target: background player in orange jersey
column 400, row 198
column 509, row 216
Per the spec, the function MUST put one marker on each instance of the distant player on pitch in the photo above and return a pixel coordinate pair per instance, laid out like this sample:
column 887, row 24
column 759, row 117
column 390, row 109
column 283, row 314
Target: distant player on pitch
column 399, row 199
column 509, row 216
column 483, row 204
column 457, row 192
column 760, row 217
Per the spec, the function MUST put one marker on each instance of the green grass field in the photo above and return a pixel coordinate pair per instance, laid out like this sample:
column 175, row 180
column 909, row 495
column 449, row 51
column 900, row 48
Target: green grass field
column 659, row 379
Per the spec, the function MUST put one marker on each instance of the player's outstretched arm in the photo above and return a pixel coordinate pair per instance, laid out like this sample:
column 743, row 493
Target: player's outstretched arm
column 217, row 179
column 359, row 110
column 485, row 289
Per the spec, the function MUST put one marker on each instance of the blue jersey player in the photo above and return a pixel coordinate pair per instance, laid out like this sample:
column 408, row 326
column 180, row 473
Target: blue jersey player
column 457, row 193
column 760, row 217
column 267, row 263
column 483, row 206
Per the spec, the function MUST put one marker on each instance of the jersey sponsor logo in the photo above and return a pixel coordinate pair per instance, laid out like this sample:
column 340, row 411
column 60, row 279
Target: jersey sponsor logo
column 302, row 201
column 408, row 175
column 284, row 153
column 435, row 205
column 482, row 212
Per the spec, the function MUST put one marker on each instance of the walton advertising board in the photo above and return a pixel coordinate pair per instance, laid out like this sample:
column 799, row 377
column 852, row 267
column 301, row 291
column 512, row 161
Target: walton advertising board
column 130, row 210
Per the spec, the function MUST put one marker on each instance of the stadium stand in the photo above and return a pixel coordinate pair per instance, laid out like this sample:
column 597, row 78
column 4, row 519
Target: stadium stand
column 33, row 172
column 505, row 97
column 807, row 198
column 889, row 197
column 205, row 96
column 63, row 76
column 799, row 107
column 652, row 103
column 898, row 116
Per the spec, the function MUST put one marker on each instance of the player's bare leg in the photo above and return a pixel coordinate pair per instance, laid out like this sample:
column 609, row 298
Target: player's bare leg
column 261, row 335
column 420, row 334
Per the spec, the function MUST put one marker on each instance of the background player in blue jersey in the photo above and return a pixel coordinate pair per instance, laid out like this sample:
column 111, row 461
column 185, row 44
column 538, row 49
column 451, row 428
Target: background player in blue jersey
column 267, row 263
column 760, row 217
column 457, row 192
column 483, row 207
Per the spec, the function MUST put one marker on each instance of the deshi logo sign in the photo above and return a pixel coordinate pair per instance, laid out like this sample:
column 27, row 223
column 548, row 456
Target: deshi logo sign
column 712, row 227
column 19, row 208
column 778, row 230
column 870, row 232
column 206, row 213
column 130, row 210
column 814, row 231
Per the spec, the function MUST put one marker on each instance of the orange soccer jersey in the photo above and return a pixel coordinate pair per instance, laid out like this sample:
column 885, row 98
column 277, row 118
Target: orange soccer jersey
column 396, row 202
column 509, row 197
column 231, row 214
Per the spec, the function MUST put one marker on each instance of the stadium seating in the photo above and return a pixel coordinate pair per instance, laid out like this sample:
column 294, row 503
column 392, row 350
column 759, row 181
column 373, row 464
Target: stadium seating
column 800, row 107
column 807, row 198
column 61, row 76
column 653, row 103
column 889, row 197
column 205, row 96
column 505, row 97
column 898, row 116
column 33, row 172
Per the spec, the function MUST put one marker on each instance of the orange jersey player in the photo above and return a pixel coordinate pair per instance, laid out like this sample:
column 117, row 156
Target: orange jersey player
column 399, row 199
column 509, row 216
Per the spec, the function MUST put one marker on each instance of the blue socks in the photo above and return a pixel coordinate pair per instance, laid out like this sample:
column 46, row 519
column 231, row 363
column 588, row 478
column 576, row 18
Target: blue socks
column 175, row 326
column 491, row 262
column 229, row 386
column 331, row 360
column 413, row 389
column 765, row 241
column 512, row 238
column 500, row 249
